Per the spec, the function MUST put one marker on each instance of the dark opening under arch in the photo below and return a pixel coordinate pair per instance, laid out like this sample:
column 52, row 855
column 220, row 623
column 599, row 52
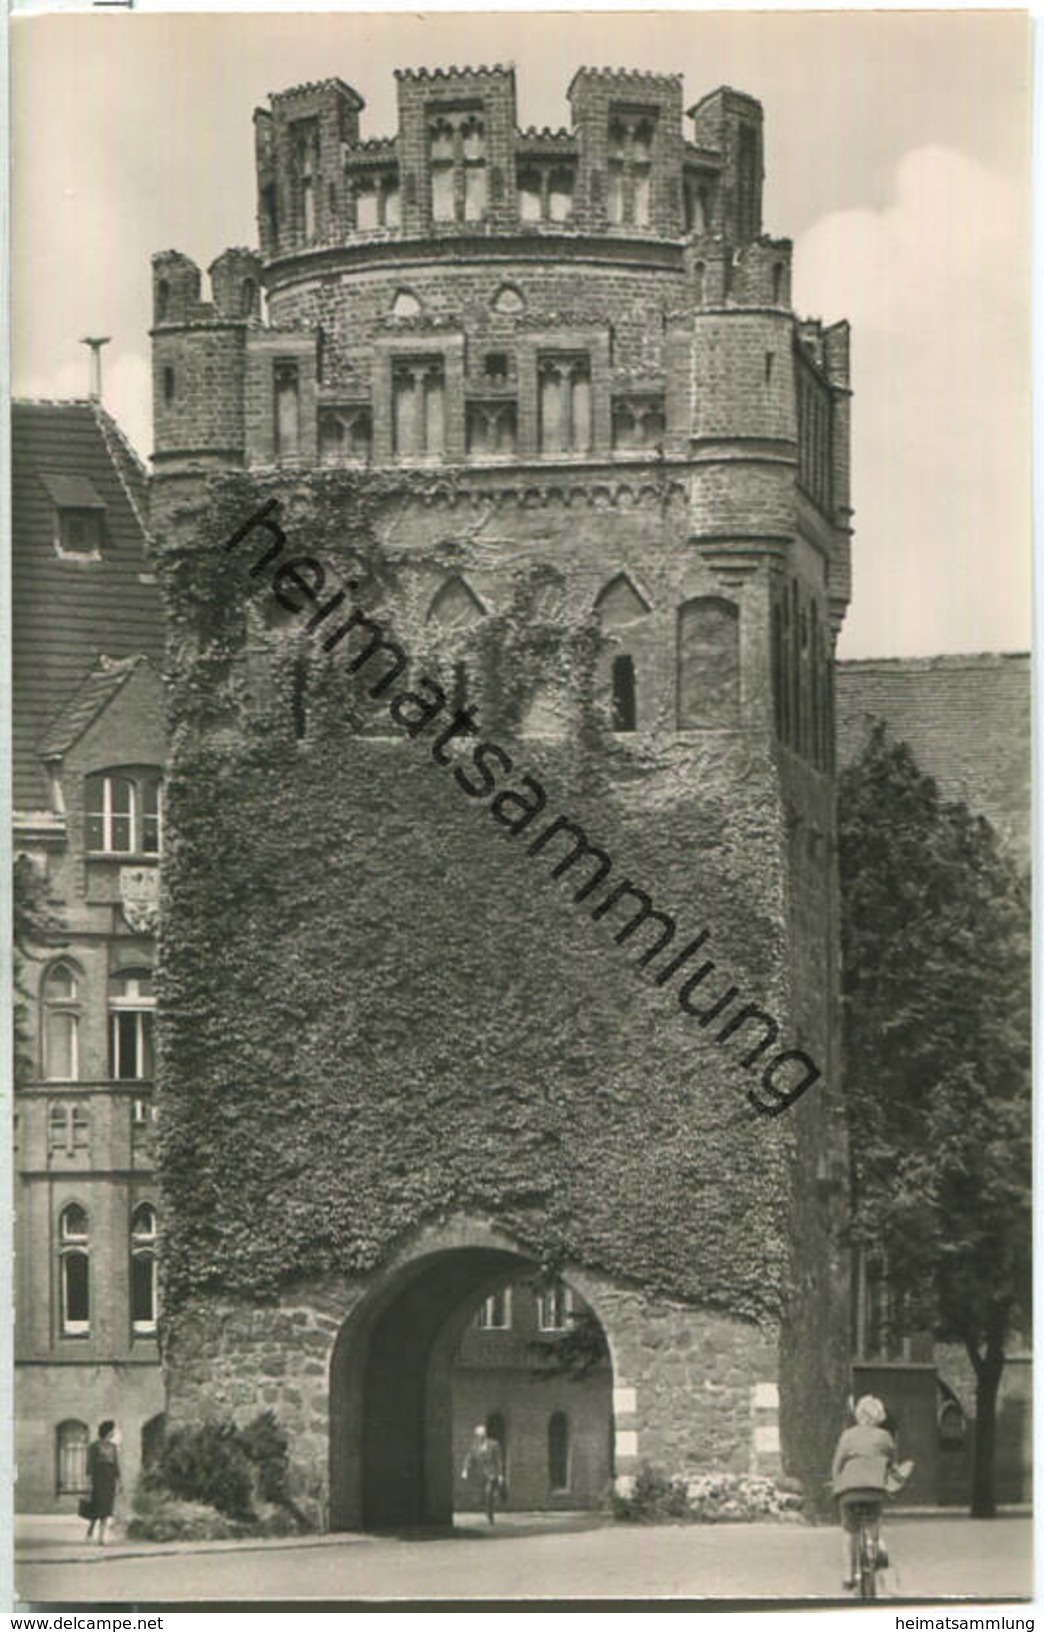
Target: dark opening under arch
column 391, row 1400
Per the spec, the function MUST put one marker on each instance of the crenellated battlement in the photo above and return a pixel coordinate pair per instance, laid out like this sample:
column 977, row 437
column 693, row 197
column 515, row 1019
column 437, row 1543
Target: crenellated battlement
column 459, row 164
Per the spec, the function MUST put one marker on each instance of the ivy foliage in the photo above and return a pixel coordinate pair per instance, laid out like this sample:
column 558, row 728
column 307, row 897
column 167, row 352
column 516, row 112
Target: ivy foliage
column 376, row 1010
column 35, row 925
column 937, row 1043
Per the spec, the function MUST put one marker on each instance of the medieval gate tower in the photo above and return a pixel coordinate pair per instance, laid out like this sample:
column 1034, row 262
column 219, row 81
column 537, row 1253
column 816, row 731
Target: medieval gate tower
column 536, row 435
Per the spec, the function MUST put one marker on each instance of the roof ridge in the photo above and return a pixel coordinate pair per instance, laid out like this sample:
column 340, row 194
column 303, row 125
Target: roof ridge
column 51, row 402
column 109, row 427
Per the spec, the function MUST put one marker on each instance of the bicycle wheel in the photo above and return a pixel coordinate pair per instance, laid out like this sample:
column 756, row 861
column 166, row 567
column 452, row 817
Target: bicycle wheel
column 867, row 1562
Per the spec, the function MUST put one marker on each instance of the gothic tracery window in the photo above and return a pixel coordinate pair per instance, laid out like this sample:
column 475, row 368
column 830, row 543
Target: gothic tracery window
column 565, row 403
column 457, row 165
column 629, row 195
column 418, row 399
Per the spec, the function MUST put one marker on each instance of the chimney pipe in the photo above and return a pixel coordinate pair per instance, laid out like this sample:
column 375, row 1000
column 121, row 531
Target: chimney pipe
column 96, row 343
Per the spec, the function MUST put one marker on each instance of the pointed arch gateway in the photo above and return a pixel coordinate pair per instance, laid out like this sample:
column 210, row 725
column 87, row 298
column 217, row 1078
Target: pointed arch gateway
column 391, row 1416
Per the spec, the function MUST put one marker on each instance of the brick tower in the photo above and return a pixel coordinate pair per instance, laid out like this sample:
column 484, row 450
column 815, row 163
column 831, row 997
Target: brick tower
column 539, row 401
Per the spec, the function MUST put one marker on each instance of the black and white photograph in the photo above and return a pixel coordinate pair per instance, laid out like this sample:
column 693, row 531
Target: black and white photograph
column 520, row 720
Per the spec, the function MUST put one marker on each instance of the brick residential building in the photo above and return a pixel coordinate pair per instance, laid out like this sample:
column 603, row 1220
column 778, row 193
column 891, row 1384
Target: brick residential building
column 88, row 752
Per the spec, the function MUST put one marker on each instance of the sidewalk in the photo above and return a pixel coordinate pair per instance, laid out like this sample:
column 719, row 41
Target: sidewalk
column 58, row 1538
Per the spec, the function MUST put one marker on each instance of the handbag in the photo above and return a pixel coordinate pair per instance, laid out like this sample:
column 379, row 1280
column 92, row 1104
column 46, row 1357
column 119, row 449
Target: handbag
column 85, row 1508
column 897, row 1476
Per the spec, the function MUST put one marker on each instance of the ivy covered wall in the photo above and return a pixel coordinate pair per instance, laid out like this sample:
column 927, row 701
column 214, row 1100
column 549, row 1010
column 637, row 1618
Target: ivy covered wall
column 376, row 1008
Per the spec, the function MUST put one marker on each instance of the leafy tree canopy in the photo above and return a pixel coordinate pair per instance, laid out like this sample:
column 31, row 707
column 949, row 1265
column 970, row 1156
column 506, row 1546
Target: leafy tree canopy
column 936, row 949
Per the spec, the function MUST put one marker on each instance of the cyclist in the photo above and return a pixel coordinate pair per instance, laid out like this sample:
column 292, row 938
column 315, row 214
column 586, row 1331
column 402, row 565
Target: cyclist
column 865, row 1454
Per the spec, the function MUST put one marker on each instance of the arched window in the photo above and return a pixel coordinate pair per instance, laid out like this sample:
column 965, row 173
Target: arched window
column 74, row 1282
column 777, row 283
column 248, row 297
column 406, row 304
column 625, row 702
column 168, row 386
column 61, row 1023
column 143, row 1268
column 558, row 1451
column 132, row 1005
column 162, row 300
column 71, row 1441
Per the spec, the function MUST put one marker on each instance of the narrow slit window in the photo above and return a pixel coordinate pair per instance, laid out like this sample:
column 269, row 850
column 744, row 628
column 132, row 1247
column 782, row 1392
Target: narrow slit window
column 625, row 702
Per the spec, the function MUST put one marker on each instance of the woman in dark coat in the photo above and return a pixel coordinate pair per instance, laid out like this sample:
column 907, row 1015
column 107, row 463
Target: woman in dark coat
column 103, row 1471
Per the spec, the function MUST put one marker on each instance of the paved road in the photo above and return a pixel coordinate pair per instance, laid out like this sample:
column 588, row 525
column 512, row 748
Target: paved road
column 934, row 1558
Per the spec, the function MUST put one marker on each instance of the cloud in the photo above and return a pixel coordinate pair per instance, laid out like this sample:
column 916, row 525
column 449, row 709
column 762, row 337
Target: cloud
column 936, row 288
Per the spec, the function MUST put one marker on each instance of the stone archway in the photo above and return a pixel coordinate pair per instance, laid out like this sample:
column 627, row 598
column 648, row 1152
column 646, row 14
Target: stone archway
column 391, row 1416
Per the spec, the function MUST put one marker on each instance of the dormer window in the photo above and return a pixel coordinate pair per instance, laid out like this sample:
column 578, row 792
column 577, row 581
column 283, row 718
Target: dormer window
column 79, row 517
column 124, row 813
column 80, row 533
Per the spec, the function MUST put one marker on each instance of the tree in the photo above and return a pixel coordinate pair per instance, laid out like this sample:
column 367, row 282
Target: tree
column 936, row 983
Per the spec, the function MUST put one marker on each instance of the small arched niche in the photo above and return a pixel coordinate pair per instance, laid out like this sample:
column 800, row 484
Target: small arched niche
column 619, row 603
column 455, row 606
column 508, row 301
column 406, row 304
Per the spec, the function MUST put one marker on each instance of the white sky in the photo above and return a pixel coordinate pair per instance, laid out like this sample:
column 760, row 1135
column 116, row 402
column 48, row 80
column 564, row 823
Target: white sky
column 896, row 158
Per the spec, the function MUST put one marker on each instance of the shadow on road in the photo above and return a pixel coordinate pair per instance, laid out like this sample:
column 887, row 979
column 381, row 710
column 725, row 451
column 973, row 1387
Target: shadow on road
column 508, row 1526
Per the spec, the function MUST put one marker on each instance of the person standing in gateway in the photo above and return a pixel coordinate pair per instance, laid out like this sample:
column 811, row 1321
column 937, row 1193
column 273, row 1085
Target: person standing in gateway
column 485, row 1461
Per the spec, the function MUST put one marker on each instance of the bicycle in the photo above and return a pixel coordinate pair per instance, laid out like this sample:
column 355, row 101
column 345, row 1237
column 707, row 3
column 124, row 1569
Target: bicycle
column 867, row 1514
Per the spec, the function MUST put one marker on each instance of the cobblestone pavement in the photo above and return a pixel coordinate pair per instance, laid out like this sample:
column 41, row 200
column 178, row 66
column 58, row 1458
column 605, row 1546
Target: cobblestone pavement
column 532, row 1558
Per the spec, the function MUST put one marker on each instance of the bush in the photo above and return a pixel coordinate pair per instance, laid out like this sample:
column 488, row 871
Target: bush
column 266, row 1445
column 705, row 1498
column 164, row 1518
column 218, row 1480
column 209, row 1465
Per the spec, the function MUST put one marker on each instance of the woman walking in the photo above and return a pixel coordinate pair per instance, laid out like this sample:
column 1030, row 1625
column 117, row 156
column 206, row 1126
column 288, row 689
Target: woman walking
column 103, row 1471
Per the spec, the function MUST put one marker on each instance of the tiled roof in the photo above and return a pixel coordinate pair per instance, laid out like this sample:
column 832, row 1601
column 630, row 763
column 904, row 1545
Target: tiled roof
column 967, row 720
column 67, row 614
column 99, row 688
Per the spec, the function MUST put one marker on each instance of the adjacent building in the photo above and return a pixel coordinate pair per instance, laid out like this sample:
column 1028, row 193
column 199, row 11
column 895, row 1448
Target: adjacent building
column 88, row 819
